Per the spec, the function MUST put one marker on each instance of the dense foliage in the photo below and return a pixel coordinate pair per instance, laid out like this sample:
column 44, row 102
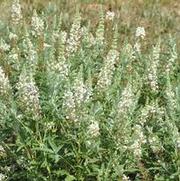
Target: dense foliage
column 78, row 103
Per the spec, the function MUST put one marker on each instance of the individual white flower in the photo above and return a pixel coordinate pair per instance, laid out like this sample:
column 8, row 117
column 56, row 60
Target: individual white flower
column 178, row 143
column 46, row 45
column 110, row 15
column 93, row 129
column 16, row 13
column 140, row 32
column 37, row 24
column 125, row 178
column 12, row 36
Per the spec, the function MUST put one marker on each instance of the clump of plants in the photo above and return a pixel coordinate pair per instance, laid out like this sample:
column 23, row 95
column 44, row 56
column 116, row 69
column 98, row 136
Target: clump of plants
column 76, row 104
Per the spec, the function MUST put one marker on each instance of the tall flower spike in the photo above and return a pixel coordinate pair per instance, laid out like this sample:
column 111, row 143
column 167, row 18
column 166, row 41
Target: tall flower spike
column 60, row 66
column 37, row 24
column 4, row 84
column 170, row 96
column 88, row 39
column 61, row 45
column 81, row 93
column 139, row 139
column 13, row 59
column 28, row 95
column 173, row 56
column 153, row 67
column 115, row 38
column 69, row 106
column 74, row 37
column 31, row 54
column 100, row 30
column 140, row 34
column 106, row 73
column 16, row 13
column 126, row 101
column 149, row 110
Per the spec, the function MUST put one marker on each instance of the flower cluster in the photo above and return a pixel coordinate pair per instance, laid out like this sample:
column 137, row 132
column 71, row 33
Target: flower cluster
column 62, row 43
column 37, row 24
column 106, row 73
column 125, row 178
column 100, row 30
column 140, row 32
column 170, row 96
column 110, row 15
column 4, row 83
column 93, row 129
column 13, row 59
column 16, row 13
column 154, row 143
column 30, row 54
column 69, row 106
column 126, row 101
column 87, row 37
column 60, row 67
column 139, row 139
column 172, row 59
column 153, row 67
column 74, row 37
column 149, row 110
column 28, row 96
column 81, row 92
column 12, row 36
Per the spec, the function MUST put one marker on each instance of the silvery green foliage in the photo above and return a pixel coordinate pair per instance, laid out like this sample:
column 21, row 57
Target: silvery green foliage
column 84, row 102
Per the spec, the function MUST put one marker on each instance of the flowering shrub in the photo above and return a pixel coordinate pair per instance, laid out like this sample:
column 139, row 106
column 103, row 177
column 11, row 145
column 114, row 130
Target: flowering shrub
column 76, row 104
